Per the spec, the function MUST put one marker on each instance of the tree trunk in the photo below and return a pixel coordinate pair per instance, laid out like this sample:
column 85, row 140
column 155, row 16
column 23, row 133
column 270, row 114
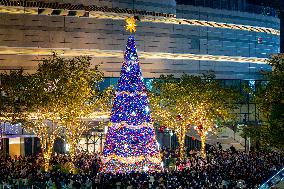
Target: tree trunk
column 203, row 145
column 74, row 131
column 181, row 141
column 73, row 146
column 47, row 147
column 71, row 140
column 47, row 139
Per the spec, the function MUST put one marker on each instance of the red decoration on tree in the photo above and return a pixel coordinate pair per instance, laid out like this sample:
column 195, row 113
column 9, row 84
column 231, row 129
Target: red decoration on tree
column 200, row 127
column 179, row 117
column 162, row 129
column 193, row 138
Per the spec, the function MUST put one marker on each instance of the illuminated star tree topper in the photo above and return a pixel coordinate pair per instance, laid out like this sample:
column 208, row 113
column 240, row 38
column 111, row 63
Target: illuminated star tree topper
column 130, row 24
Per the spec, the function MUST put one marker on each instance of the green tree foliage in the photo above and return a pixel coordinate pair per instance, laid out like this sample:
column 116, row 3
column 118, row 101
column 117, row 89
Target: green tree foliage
column 269, row 98
column 45, row 99
column 62, row 94
column 57, row 99
column 80, row 97
column 192, row 102
column 12, row 101
column 13, row 86
column 65, row 92
column 105, row 100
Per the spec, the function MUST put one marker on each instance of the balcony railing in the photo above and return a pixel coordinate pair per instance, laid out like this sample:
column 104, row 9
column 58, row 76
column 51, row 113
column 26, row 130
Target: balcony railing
column 275, row 179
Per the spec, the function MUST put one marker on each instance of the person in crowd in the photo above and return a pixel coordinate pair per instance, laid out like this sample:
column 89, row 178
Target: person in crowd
column 220, row 169
column 233, row 149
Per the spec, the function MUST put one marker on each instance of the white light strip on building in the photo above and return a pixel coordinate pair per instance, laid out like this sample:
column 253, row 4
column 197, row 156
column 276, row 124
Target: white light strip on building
column 153, row 19
column 119, row 54
column 177, row 21
column 18, row 10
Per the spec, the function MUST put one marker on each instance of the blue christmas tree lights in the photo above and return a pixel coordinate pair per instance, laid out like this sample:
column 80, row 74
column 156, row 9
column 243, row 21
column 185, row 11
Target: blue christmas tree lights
column 131, row 143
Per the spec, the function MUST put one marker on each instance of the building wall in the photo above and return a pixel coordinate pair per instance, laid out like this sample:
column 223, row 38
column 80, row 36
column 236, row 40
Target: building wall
column 27, row 38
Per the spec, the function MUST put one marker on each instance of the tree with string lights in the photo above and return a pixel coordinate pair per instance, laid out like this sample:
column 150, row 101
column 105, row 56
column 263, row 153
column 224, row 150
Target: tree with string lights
column 269, row 99
column 195, row 102
column 12, row 99
column 12, row 102
column 172, row 104
column 30, row 99
column 62, row 93
column 131, row 143
column 81, row 98
column 44, row 97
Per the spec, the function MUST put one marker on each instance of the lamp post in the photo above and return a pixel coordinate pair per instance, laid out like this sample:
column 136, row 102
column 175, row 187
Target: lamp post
column 245, row 125
column 1, row 137
column 171, row 134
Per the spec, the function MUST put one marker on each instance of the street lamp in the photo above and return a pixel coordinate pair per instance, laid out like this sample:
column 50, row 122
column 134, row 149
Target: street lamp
column 1, row 137
column 171, row 134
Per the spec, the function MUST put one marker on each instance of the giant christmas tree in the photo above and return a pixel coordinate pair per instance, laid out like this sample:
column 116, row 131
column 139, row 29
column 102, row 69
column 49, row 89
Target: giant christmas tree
column 131, row 143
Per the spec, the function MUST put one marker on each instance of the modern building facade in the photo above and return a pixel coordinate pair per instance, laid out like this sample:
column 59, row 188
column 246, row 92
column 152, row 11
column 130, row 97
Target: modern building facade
column 171, row 38
column 230, row 37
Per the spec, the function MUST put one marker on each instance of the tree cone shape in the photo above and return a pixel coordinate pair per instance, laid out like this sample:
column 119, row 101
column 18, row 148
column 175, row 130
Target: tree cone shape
column 131, row 143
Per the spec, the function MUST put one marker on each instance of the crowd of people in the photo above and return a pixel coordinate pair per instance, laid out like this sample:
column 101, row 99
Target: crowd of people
column 220, row 169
